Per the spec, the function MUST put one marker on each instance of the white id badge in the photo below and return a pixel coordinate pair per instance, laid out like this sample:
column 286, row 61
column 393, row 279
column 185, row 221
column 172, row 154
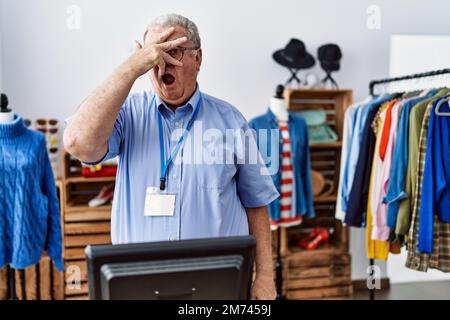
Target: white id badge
column 158, row 203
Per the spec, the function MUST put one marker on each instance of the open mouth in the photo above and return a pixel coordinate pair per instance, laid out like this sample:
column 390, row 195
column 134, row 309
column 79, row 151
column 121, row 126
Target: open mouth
column 168, row 79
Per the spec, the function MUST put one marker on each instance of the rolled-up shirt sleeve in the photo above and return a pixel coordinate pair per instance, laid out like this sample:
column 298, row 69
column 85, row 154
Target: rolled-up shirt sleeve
column 115, row 139
column 254, row 184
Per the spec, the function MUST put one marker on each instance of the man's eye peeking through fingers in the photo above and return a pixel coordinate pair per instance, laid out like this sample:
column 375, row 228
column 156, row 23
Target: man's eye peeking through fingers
column 176, row 53
column 174, row 78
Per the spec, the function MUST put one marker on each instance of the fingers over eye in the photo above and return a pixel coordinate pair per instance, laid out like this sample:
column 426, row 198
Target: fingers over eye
column 172, row 43
column 172, row 60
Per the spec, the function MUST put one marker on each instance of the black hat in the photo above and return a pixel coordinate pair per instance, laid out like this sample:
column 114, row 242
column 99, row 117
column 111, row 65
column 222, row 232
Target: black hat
column 329, row 56
column 294, row 55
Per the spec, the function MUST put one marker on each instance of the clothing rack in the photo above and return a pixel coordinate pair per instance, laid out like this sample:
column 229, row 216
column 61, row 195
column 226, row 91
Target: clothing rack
column 434, row 82
column 405, row 79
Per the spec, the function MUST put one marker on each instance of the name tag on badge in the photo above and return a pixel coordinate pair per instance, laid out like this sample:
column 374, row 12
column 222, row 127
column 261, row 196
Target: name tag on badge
column 158, row 203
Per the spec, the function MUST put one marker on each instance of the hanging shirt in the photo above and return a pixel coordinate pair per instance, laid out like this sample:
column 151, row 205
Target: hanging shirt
column 375, row 249
column 355, row 213
column 436, row 175
column 213, row 184
column 378, row 227
column 288, row 216
column 415, row 125
column 302, row 199
column 347, row 134
column 386, row 130
column 395, row 191
column 383, row 230
column 354, row 148
column 416, row 260
column 29, row 207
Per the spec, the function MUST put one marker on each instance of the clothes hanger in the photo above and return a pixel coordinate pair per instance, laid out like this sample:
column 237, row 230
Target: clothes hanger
column 438, row 106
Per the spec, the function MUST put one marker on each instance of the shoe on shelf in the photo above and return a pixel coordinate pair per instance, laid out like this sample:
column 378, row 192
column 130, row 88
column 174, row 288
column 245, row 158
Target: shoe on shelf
column 105, row 195
column 303, row 243
column 321, row 237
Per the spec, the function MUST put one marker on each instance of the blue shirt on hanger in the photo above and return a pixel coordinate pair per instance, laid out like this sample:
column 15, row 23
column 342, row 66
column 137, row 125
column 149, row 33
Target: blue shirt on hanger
column 302, row 199
column 436, row 175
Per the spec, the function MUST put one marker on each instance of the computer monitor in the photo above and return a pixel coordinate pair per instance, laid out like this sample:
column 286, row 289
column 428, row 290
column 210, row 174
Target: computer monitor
column 212, row 268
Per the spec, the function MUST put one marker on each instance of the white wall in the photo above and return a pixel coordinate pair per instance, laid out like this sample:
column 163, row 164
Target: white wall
column 49, row 70
column 414, row 54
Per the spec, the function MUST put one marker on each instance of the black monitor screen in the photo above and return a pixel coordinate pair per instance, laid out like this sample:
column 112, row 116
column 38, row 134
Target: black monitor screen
column 214, row 268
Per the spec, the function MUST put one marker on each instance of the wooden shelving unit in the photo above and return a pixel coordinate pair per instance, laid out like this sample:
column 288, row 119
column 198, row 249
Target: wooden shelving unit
column 82, row 225
column 321, row 273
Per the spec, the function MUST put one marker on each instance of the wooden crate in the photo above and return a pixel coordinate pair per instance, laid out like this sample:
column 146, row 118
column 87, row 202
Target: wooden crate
column 318, row 274
column 321, row 273
column 37, row 282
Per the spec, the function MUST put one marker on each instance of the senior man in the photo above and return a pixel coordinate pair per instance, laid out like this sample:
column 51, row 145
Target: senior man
column 158, row 196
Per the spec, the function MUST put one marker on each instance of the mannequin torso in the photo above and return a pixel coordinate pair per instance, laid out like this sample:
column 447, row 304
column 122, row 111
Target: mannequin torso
column 6, row 115
column 278, row 107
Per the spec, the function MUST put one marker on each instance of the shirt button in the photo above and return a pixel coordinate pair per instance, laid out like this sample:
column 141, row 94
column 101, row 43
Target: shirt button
column 174, row 176
column 177, row 123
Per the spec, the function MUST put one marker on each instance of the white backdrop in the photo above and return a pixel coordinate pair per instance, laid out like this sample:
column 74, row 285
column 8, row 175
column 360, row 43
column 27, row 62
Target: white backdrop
column 48, row 69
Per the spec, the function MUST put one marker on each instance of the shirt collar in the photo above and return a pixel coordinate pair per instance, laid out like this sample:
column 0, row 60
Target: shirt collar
column 12, row 129
column 190, row 106
column 271, row 116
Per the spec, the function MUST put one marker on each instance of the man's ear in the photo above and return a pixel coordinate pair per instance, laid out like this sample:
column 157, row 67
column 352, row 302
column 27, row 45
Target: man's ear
column 198, row 59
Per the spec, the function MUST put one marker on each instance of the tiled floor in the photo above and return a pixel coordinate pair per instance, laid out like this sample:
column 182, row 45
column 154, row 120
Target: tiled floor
column 433, row 290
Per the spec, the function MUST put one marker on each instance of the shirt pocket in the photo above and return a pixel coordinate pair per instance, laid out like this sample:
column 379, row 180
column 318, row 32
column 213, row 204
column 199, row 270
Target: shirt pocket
column 214, row 176
column 212, row 163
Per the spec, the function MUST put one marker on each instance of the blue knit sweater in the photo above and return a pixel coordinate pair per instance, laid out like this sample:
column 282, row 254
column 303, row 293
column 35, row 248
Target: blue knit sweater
column 29, row 209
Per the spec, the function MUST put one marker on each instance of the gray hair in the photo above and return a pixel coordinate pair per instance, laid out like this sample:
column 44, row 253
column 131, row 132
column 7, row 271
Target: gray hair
column 172, row 20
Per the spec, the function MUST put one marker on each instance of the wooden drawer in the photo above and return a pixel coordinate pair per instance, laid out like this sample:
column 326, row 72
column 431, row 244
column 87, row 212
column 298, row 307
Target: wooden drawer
column 338, row 292
column 74, row 254
column 87, row 216
column 317, row 258
column 71, row 241
column 82, row 297
column 318, row 282
column 87, row 228
column 321, row 271
column 81, row 290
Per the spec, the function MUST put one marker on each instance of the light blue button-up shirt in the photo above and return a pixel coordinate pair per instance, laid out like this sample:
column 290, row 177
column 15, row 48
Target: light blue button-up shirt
column 360, row 118
column 211, row 196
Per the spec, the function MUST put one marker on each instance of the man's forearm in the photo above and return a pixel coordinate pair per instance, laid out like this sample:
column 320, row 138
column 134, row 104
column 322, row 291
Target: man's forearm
column 87, row 134
column 259, row 224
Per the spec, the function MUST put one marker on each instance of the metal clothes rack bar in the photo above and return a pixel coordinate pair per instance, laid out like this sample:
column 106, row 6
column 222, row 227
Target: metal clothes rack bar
column 375, row 83
column 372, row 86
